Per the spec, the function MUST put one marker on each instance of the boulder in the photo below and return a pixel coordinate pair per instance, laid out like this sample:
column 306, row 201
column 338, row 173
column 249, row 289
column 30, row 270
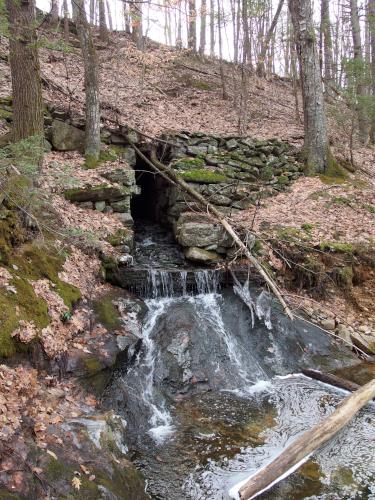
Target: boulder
column 194, row 230
column 65, row 137
column 196, row 254
column 102, row 192
column 124, row 176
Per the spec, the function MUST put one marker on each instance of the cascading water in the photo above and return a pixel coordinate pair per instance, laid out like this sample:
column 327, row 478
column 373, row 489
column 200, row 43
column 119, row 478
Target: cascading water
column 207, row 404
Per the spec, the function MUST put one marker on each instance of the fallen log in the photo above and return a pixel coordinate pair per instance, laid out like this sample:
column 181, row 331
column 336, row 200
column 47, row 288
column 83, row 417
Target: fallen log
column 330, row 379
column 156, row 165
column 299, row 451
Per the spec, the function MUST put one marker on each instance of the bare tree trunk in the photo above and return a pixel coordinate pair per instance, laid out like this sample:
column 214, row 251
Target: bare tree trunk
column 102, row 22
column 202, row 38
column 25, row 70
column 327, row 46
column 246, row 37
column 316, row 144
column 359, row 70
column 54, row 11
column 372, row 39
column 179, row 26
column 212, row 28
column 222, row 74
column 66, row 20
column 109, row 14
column 127, row 19
column 92, row 11
column 136, row 21
column 266, row 42
column 192, row 26
column 90, row 63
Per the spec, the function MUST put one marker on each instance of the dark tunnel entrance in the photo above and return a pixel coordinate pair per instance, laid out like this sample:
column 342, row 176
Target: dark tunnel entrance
column 152, row 203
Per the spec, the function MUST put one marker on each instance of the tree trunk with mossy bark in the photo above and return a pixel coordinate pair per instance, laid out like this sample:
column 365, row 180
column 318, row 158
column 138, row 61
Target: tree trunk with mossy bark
column 316, row 145
column 25, row 70
column 91, row 78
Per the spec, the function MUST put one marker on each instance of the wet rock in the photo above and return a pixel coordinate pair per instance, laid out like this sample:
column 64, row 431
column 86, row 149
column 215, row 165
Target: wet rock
column 66, row 137
column 196, row 254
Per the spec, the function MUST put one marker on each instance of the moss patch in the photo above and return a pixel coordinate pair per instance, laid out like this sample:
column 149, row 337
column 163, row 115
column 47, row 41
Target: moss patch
column 37, row 262
column 121, row 237
column 204, row 176
column 189, row 163
column 107, row 313
column 20, row 304
column 11, row 233
column 335, row 246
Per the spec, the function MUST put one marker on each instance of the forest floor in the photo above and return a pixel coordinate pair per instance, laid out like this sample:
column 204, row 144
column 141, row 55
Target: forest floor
column 164, row 90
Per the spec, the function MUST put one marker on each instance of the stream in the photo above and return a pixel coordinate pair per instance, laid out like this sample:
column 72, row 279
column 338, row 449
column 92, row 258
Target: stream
column 215, row 392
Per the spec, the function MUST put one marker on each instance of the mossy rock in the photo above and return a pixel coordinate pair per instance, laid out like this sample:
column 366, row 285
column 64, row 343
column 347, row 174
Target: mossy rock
column 204, row 176
column 38, row 261
column 121, row 237
column 282, row 180
column 189, row 163
column 22, row 305
column 107, row 313
column 12, row 233
column 339, row 247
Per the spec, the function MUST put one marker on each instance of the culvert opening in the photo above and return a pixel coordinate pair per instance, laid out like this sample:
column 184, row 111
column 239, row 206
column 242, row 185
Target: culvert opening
column 151, row 204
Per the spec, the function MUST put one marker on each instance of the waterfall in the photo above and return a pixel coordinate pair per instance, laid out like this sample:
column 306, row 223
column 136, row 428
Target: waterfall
column 175, row 283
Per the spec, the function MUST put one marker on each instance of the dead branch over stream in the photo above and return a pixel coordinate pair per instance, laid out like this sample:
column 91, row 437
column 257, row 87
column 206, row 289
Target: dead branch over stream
column 297, row 452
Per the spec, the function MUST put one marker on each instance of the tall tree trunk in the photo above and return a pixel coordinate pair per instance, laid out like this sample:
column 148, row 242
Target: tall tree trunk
column 327, row 46
column 179, row 26
column 66, row 20
column 212, row 28
column 54, row 11
column 103, row 30
column 109, row 14
column 136, row 21
column 222, row 74
column 316, row 144
column 192, row 26
column 91, row 79
column 92, row 11
column 246, row 56
column 25, row 70
column 372, row 39
column 359, row 73
column 202, row 38
column 266, row 42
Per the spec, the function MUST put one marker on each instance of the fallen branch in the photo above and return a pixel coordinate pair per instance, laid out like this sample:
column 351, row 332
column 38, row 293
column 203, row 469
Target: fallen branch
column 299, row 451
column 330, row 379
column 174, row 177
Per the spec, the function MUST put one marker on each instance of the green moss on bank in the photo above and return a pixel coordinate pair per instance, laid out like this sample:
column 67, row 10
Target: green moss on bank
column 336, row 246
column 107, row 313
column 19, row 302
column 204, row 176
column 37, row 262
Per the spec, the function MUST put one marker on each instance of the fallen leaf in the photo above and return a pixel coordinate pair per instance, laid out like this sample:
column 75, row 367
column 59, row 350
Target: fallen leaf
column 76, row 483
